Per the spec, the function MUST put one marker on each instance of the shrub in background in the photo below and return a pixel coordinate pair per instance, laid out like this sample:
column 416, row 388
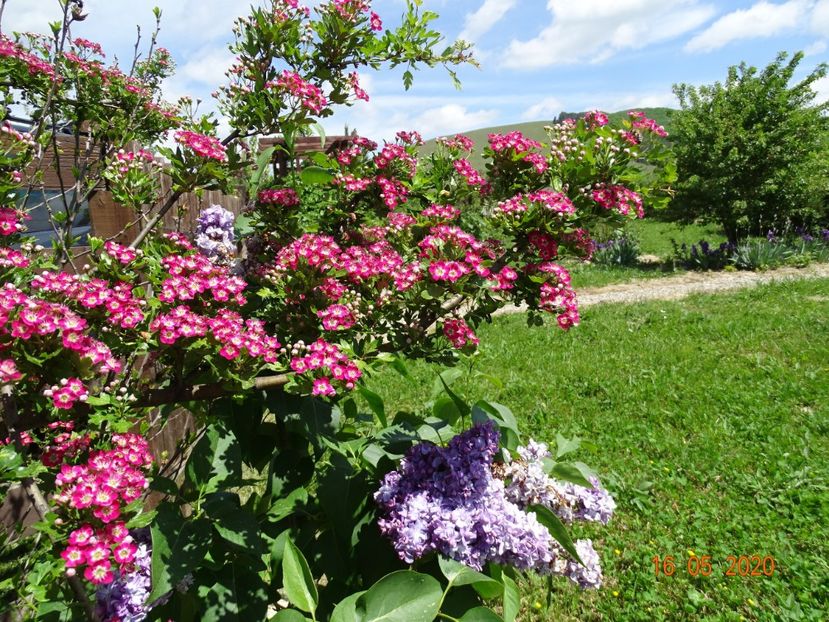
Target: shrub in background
column 753, row 152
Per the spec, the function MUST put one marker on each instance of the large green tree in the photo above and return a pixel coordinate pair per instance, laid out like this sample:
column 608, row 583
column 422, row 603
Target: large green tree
column 753, row 152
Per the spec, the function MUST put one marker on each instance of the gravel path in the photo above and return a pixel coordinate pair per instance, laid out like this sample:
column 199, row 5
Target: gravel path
column 682, row 285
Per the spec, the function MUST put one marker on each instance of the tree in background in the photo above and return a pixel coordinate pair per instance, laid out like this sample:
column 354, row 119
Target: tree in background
column 753, row 152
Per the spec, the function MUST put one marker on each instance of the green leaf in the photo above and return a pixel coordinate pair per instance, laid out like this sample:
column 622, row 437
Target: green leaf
column 570, row 473
column 298, row 581
column 263, row 160
column 402, row 596
column 512, row 599
column 556, row 528
column 446, row 410
column 289, row 615
column 481, row 614
column 490, row 411
column 179, row 547
column 236, row 526
column 346, row 609
column 315, row 175
column 459, row 574
column 216, row 461
column 239, row 595
column 565, row 445
column 284, row 507
column 446, row 378
column 375, row 403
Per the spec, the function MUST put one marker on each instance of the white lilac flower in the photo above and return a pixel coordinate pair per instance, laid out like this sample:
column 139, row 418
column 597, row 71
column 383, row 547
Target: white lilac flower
column 214, row 232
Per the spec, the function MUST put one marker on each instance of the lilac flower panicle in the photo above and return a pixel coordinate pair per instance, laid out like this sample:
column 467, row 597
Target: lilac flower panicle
column 588, row 576
column 445, row 500
column 214, row 232
column 124, row 599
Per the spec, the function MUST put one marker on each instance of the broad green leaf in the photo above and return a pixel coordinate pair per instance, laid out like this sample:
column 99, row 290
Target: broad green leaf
column 459, row 574
column 285, row 506
column 239, row 595
column 512, row 599
column 446, row 410
column 375, row 402
column 179, row 547
column 556, row 528
column 446, row 378
column 298, row 581
column 481, row 614
column 565, row 445
column 216, row 461
column 570, row 473
column 315, row 175
column 346, row 609
column 289, row 615
column 236, row 526
column 402, row 596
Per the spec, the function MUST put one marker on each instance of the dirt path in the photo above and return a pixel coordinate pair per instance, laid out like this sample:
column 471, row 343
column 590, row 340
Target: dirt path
column 682, row 285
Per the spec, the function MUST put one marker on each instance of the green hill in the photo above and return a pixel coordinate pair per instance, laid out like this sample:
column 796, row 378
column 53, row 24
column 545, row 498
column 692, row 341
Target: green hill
column 535, row 130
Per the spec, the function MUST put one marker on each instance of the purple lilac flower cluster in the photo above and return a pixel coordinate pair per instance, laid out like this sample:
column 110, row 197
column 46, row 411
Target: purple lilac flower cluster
column 214, row 232
column 588, row 576
column 445, row 500
column 124, row 599
column 529, row 485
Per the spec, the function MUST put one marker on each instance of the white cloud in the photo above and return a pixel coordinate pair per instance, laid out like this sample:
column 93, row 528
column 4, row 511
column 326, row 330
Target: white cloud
column 547, row 108
column 381, row 118
column 763, row 19
column 819, row 21
column 821, row 87
column 595, row 30
column 481, row 21
column 813, row 49
column 207, row 66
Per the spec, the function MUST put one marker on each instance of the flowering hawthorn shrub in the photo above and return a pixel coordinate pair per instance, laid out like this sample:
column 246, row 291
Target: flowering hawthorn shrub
column 290, row 501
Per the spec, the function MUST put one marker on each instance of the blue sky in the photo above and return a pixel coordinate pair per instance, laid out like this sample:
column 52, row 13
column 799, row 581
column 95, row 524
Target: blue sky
column 537, row 57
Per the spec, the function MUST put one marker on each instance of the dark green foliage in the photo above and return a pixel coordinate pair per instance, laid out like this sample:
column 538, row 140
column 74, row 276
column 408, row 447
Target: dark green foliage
column 753, row 152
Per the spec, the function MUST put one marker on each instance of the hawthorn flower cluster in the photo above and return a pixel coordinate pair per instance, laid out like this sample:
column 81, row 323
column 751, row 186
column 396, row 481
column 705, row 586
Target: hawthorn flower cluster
column 554, row 202
column 309, row 95
column 123, row 309
column 457, row 331
column 96, row 493
column 441, row 212
column 235, row 334
column 596, row 118
column 35, row 65
column 473, row 177
column 24, row 318
column 458, row 142
column 193, row 275
column 618, row 198
column 10, row 221
column 640, row 121
column 445, row 500
column 327, row 363
column 128, row 161
column 123, row 254
column 204, row 146
column 286, row 197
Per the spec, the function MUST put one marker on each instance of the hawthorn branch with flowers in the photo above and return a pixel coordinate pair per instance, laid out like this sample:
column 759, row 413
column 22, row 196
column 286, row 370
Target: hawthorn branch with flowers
column 265, row 326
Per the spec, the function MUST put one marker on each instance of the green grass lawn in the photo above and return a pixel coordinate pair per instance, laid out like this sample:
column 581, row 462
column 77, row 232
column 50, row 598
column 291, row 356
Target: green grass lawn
column 655, row 236
column 654, row 239
column 708, row 419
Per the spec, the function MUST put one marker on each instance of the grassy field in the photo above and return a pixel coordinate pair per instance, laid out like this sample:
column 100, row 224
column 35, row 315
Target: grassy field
column 708, row 419
column 654, row 239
